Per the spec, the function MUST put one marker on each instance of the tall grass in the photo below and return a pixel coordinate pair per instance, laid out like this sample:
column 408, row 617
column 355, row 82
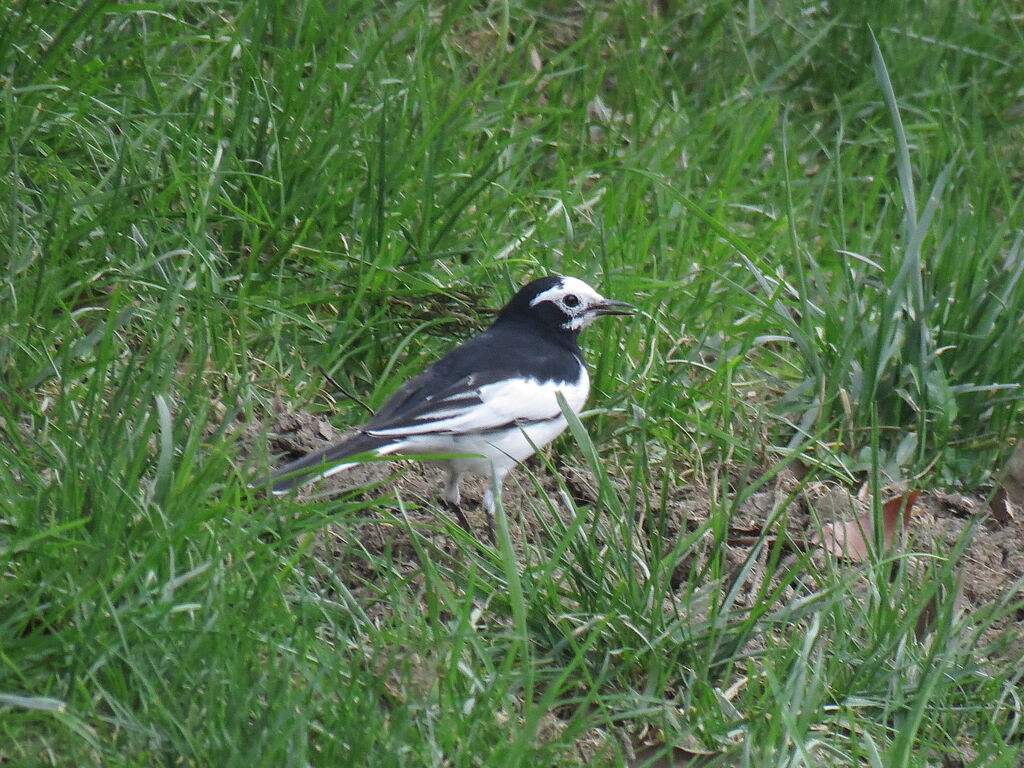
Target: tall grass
column 207, row 208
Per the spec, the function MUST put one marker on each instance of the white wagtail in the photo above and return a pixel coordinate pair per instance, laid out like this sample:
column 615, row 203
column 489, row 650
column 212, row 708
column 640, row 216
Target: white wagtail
column 492, row 399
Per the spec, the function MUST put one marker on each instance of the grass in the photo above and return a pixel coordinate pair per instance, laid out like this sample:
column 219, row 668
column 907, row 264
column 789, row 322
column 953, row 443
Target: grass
column 205, row 208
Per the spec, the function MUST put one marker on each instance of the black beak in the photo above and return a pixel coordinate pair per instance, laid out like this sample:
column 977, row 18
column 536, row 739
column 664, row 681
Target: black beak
column 612, row 307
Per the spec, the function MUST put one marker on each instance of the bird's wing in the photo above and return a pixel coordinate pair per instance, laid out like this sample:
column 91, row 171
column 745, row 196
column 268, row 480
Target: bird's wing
column 480, row 386
column 475, row 403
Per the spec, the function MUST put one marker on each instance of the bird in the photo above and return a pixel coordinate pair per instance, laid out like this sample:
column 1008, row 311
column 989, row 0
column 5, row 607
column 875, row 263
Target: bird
column 491, row 401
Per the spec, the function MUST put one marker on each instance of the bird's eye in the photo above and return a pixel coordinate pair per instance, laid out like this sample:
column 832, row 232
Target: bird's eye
column 571, row 300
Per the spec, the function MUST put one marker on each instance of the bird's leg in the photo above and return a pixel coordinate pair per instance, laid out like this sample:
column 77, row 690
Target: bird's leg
column 489, row 511
column 459, row 515
column 452, row 496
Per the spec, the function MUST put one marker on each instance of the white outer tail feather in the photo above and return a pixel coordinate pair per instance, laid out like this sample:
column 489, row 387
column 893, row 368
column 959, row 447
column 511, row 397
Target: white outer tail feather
column 334, row 469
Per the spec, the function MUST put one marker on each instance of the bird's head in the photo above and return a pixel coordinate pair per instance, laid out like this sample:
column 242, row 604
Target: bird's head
column 562, row 303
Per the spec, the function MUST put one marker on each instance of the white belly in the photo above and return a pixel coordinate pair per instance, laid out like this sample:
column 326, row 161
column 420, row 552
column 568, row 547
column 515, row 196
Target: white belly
column 502, row 450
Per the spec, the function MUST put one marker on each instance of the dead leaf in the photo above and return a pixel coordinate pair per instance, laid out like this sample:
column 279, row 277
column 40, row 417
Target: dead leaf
column 1010, row 495
column 958, row 504
column 927, row 620
column 853, row 539
column 1013, row 481
column 535, row 60
column 790, row 476
column 661, row 756
column 1001, row 507
column 747, row 540
column 748, row 536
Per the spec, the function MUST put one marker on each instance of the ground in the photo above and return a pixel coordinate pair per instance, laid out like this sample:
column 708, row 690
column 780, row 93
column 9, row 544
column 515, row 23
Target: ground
column 990, row 569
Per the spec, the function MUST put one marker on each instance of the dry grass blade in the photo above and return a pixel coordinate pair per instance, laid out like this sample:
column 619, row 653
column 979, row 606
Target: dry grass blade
column 1010, row 495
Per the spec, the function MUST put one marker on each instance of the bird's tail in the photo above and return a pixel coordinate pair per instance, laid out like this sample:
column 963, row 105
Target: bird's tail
column 329, row 460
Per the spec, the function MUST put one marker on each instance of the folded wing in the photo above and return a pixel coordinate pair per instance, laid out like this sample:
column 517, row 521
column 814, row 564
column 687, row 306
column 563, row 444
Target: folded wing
column 469, row 406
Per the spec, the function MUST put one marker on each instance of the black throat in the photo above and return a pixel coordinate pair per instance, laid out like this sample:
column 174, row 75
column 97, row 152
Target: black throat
column 542, row 322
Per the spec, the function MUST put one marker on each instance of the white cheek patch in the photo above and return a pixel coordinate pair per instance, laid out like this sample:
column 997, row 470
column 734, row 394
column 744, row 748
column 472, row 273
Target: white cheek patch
column 578, row 323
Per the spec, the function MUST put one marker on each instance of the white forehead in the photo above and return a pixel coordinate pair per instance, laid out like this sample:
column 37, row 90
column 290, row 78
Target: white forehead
column 564, row 287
